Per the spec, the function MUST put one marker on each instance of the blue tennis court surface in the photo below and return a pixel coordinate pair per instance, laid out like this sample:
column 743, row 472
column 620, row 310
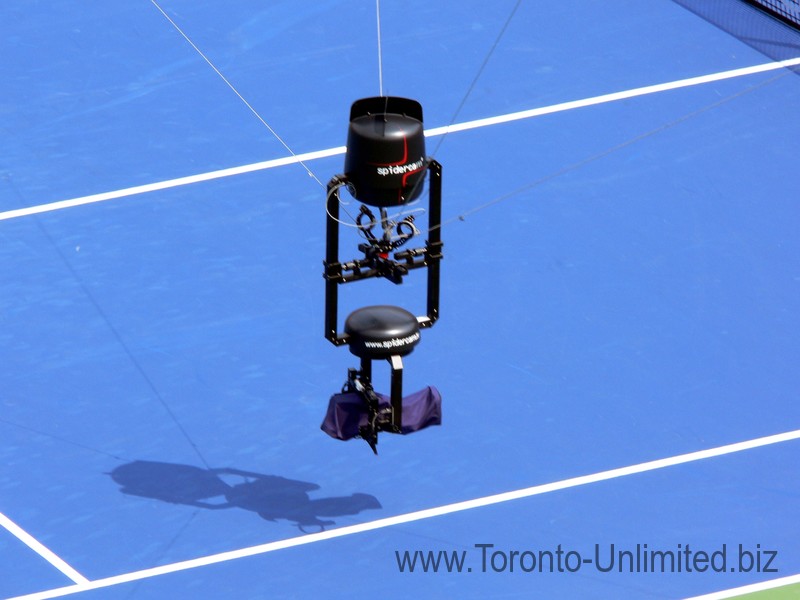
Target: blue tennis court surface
column 617, row 351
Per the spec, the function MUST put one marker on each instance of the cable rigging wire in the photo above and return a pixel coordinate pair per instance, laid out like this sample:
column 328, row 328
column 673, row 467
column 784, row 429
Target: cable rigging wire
column 235, row 91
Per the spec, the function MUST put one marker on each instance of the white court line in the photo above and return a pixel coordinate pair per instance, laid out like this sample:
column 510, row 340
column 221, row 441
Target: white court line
column 749, row 589
column 308, row 156
column 171, row 183
column 642, row 91
column 40, row 549
column 416, row 516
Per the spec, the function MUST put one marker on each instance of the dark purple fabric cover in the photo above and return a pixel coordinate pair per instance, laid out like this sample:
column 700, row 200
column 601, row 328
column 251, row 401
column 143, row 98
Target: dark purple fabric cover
column 347, row 412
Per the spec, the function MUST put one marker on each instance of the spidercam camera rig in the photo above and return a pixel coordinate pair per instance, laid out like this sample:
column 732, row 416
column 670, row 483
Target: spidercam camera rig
column 385, row 166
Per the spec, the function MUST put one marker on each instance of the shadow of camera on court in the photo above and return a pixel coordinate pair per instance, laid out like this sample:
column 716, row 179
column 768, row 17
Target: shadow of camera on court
column 272, row 497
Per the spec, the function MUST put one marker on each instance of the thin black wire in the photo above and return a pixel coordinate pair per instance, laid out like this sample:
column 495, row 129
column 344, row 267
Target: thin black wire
column 115, row 333
column 137, row 365
column 574, row 166
column 235, row 91
column 478, row 74
column 468, row 93
column 63, row 440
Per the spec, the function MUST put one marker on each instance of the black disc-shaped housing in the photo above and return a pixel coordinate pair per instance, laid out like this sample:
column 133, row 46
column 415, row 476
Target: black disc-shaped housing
column 377, row 332
column 385, row 160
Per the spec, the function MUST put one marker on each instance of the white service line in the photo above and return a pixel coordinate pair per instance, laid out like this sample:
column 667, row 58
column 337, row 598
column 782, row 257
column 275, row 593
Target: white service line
column 416, row 516
column 642, row 91
column 456, row 127
column 40, row 549
column 749, row 589
column 171, row 183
